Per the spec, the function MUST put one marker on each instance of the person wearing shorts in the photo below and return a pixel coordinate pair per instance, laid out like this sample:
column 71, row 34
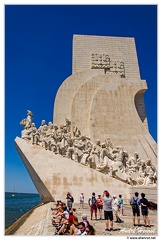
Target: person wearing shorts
column 121, row 205
column 144, row 210
column 135, row 203
column 108, row 213
column 100, row 205
column 81, row 200
column 93, row 205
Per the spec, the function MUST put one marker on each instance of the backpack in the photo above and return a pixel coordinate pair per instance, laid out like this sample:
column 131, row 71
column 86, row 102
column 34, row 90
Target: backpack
column 135, row 204
column 94, row 200
column 72, row 199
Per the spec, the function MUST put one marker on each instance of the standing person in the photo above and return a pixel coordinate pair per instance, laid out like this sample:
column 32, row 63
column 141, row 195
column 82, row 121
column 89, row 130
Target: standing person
column 93, row 205
column 135, row 203
column 108, row 213
column 116, row 209
column 81, row 200
column 144, row 210
column 70, row 200
column 120, row 201
column 100, row 205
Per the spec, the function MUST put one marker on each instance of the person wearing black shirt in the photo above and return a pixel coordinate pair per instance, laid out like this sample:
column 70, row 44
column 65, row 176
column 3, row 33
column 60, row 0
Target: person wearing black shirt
column 144, row 210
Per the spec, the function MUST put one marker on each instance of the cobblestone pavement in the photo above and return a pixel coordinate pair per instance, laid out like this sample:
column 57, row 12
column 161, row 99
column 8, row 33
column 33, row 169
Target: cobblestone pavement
column 39, row 223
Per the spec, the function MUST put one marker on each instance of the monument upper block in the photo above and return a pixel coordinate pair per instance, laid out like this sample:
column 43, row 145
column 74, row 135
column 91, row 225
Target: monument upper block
column 115, row 55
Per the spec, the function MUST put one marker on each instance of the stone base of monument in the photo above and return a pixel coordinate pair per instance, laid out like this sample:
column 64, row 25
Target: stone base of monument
column 54, row 175
column 150, row 192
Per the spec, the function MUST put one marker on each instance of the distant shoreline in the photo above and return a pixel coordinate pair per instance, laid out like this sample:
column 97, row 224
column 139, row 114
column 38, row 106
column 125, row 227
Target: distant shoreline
column 21, row 193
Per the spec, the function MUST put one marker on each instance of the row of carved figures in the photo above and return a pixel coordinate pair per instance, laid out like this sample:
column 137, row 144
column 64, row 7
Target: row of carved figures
column 68, row 141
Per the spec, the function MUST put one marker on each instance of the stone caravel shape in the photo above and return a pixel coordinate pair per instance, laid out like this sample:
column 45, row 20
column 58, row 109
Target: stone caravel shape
column 54, row 175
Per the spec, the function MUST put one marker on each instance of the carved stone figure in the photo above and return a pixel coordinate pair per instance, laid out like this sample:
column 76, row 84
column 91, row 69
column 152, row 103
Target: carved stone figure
column 104, row 155
column 109, row 144
column 68, row 125
column 142, row 174
column 151, row 175
column 48, row 135
column 104, row 158
column 28, row 119
column 76, row 132
column 94, row 158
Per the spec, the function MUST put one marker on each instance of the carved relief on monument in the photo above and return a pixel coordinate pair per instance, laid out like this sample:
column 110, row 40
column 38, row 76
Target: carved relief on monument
column 103, row 157
column 102, row 61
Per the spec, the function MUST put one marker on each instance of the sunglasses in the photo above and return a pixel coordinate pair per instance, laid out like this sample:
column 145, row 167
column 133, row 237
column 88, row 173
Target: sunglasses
column 87, row 231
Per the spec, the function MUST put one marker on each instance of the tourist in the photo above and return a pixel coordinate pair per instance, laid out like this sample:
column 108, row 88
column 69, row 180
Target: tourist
column 90, row 230
column 81, row 227
column 81, row 200
column 144, row 210
column 135, row 203
column 65, row 224
column 108, row 213
column 74, row 227
column 84, row 219
column 120, row 201
column 70, row 200
column 116, row 209
column 100, row 205
column 93, row 205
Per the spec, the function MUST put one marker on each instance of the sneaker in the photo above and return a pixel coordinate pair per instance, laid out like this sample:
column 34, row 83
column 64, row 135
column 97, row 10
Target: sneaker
column 107, row 229
column 111, row 229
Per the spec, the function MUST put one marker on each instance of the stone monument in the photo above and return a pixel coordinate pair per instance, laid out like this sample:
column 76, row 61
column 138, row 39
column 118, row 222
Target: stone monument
column 99, row 137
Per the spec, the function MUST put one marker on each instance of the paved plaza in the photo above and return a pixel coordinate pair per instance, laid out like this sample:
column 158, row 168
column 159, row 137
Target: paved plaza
column 39, row 223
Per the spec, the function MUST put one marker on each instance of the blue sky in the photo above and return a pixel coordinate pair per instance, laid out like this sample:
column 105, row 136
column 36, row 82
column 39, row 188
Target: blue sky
column 38, row 58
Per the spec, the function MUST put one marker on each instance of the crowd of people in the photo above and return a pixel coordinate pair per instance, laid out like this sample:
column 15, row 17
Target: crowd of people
column 107, row 207
column 66, row 222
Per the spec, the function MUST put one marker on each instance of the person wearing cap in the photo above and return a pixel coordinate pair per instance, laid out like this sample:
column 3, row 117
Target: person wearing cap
column 116, row 209
column 100, row 205
column 108, row 213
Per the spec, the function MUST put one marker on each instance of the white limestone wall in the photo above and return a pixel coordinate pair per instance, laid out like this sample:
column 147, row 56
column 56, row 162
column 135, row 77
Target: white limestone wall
column 54, row 175
column 118, row 48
